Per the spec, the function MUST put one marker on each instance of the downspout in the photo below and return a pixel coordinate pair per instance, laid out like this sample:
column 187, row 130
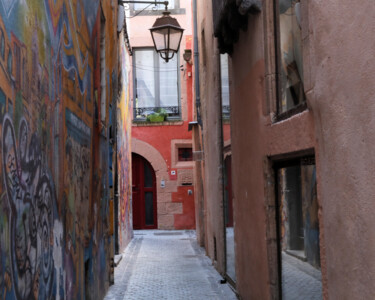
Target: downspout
column 198, row 137
column 196, row 66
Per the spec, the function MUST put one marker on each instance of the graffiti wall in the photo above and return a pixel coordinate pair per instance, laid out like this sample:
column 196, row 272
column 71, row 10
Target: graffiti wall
column 59, row 67
column 124, row 151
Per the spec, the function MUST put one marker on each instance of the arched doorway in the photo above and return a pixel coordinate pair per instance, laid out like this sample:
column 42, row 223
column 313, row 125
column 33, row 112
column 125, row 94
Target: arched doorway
column 143, row 194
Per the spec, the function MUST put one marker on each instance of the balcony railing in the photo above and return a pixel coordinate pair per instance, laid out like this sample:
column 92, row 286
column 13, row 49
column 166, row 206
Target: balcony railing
column 171, row 111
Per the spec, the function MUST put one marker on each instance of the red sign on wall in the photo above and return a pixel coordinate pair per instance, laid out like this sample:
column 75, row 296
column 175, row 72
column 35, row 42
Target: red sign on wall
column 173, row 174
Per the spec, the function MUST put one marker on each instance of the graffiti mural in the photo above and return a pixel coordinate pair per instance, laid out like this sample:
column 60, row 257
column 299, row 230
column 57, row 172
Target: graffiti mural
column 124, row 151
column 31, row 200
column 55, row 241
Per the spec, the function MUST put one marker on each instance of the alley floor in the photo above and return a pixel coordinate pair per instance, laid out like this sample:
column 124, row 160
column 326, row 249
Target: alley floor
column 300, row 280
column 166, row 265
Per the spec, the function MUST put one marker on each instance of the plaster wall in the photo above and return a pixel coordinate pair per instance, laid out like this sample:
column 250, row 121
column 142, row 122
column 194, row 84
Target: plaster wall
column 337, row 124
column 255, row 137
column 209, row 65
column 342, row 91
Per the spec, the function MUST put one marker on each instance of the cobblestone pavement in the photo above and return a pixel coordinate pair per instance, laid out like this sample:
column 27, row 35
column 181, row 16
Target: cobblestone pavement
column 166, row 265
column 300, row 281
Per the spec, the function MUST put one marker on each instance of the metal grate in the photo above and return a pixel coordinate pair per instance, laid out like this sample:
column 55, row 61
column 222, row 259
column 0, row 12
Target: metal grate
column 143, row 112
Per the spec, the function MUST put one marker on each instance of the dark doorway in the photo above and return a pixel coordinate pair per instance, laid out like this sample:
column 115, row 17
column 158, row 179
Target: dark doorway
column 144, row 194
column 298, row 229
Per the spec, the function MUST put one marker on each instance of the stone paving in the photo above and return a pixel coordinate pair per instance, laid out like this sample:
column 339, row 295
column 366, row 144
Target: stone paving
column 166, row 265
column 300, row 280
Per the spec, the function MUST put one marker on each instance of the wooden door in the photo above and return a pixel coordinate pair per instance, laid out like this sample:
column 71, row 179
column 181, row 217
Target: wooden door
column 144, row 194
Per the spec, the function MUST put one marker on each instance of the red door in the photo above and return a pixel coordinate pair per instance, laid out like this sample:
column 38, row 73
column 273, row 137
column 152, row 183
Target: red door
column 144, row 194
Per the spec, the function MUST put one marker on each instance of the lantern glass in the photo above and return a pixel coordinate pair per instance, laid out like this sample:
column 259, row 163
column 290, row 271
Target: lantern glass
column 161, row 37
column 166, row 34
column 174, row 39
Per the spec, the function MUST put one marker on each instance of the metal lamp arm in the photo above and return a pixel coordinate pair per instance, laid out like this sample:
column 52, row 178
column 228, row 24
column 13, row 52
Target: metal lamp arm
column 147, row 2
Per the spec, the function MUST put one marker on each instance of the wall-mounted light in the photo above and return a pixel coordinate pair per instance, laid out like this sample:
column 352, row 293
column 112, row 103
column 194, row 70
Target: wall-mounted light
column 166, row 32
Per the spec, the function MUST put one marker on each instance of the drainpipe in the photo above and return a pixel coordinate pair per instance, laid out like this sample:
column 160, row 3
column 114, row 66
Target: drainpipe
column 196, row 66
column 198, row 137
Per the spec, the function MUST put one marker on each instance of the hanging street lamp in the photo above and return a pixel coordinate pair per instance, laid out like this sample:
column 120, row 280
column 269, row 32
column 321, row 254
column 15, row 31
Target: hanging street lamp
column 166, row 32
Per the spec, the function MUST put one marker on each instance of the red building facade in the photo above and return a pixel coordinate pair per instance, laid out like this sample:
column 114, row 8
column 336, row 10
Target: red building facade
column 163, row 187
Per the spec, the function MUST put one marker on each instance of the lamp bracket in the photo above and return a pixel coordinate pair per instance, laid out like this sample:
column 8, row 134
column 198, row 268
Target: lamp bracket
column 120, row 2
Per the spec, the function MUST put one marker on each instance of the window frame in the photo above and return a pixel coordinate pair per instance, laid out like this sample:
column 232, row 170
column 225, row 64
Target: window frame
column 180, row 157
column 301, row 159
column 177, row 10
column 157, row 84
column 271, row 166
column 280, row 116
column 225, row 109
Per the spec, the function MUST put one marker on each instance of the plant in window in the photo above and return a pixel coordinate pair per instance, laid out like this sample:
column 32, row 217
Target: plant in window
column 158, row 116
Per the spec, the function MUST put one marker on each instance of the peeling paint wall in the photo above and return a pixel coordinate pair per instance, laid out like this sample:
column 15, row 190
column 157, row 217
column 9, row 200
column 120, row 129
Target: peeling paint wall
column 55, row 237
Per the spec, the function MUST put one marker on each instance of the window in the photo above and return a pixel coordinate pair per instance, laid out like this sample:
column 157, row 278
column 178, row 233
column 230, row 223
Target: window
column 140, row 6
column 291, row 91
column 156, row 84
column 185, row 154
column 151, row 9
column 224, row 85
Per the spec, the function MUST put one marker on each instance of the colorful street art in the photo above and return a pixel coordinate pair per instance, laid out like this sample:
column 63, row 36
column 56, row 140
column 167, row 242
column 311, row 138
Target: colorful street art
column 124, row 151
column 55, row 241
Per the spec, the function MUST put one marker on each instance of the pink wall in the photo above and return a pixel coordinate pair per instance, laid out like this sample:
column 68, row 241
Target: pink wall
column 341, row 98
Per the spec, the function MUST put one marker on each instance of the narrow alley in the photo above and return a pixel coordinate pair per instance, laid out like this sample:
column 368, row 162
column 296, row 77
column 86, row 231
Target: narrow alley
column 187, row 149
column 166, row 265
